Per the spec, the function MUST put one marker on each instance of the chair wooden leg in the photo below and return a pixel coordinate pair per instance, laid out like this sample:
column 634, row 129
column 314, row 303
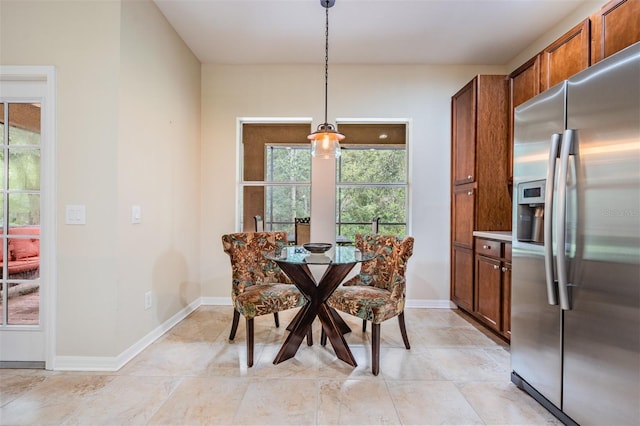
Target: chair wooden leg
column 310, row 336
column 234, row 324
column 277, row 320
column 403, row 330
column 249, row 342
column 364, row 326
column 323, row 337
column 375, row 348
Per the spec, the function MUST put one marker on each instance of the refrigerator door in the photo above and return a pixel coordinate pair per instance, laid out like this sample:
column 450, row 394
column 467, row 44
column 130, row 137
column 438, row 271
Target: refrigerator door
column 602, row 330
column 536, row 339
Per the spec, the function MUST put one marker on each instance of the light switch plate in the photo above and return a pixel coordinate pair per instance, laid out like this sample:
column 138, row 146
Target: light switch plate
column 75, row 215
column 136, row 214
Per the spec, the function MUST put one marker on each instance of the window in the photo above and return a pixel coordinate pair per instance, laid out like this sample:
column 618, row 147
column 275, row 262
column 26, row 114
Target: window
column 276, row 183
column 371, row 180
column 371, row 177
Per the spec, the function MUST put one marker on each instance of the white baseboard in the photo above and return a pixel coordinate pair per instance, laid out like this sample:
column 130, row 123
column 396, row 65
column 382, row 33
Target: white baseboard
column 79, row 363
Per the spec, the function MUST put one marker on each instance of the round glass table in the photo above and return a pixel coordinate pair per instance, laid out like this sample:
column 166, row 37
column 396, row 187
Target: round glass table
column 295, row 261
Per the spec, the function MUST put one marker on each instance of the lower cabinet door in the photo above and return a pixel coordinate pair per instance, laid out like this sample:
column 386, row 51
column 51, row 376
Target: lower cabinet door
column 488, row 291
column 462, row 278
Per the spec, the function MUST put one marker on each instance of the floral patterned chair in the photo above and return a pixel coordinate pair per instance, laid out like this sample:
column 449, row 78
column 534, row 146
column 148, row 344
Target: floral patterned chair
column 377, row 293
column 259, row 287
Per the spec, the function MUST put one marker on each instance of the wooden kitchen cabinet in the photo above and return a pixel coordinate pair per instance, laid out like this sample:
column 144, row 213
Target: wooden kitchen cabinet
column 524, row 82
column 479, row 128
column 566, row 56
column 462, row 270
column 488, row 289
column 463, row 212
column 492, row 286
column 463, row 118
column 480, row 196
column 615, row 26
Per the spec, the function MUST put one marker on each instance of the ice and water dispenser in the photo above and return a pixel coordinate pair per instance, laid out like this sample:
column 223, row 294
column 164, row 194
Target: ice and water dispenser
column 531, row 211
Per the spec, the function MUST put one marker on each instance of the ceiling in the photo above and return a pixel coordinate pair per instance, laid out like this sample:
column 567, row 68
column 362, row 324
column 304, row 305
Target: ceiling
column 487, row 32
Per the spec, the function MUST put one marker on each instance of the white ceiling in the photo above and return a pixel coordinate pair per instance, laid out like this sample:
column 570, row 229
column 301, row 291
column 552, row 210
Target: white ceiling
column 362, row 31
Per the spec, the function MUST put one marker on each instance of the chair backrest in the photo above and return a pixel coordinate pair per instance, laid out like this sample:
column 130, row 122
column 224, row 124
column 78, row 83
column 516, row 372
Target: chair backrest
column 388, row 268
column 248, row 265
column 303, row 230
column 259, row 223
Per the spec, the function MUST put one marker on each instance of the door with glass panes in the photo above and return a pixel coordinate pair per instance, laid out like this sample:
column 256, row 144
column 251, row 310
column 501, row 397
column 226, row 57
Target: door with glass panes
column 22, row 331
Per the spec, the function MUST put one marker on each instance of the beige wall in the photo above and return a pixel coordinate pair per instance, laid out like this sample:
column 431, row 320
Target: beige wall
column 158, row 169
column 127, row 132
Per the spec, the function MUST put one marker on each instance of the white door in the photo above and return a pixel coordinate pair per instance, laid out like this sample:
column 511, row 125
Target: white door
column 26, row 231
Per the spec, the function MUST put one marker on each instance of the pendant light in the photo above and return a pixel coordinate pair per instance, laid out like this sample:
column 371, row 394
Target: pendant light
column 325, row 142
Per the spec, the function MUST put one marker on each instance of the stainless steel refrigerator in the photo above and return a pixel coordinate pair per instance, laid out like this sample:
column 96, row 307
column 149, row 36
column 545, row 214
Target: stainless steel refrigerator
column 575, row 343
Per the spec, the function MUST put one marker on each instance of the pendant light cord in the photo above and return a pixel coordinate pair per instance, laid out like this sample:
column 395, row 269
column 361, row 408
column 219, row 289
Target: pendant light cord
column 326, row 62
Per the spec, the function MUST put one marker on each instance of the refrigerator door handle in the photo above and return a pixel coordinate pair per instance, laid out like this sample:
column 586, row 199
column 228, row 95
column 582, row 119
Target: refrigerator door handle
column 561, row 219
column 554, row 152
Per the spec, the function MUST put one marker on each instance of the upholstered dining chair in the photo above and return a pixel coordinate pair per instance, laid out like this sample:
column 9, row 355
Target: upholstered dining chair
column 378, row 292
column 258, row 286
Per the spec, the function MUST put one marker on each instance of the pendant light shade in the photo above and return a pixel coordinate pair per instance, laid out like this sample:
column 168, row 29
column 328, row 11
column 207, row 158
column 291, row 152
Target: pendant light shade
column 325, row 142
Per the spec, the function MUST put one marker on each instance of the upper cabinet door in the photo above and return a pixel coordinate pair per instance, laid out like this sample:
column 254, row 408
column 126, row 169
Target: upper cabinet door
column 463, row 133
column 566, row 56
column 525, row 82
column 614, row 27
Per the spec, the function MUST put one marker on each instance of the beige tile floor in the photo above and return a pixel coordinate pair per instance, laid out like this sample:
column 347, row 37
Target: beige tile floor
column 454, row 374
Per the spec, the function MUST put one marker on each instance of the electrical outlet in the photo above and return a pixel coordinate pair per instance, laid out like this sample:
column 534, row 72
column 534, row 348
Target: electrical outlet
column 147, row 300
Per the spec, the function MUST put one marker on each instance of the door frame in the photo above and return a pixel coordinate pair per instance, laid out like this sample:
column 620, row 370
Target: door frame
column 48, row 196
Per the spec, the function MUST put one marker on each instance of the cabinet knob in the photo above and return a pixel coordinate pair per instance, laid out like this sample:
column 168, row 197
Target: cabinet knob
column 470, row 193
column 495, row 266
column 469, row 177
column 486, row 247
column 504, row 269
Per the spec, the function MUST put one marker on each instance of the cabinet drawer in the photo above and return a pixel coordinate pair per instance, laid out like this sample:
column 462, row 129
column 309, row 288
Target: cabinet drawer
column 488, row 248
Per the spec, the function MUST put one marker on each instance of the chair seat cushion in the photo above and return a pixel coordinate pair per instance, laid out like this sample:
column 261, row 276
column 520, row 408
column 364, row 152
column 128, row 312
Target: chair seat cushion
column 265, row 299
column 366, row 302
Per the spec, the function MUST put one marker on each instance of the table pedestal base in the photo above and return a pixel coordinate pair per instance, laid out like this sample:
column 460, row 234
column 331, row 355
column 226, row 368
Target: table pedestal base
column 316, row 295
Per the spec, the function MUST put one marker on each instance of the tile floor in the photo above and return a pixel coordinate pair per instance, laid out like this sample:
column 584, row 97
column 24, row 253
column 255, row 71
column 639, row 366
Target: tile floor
column 454, row 374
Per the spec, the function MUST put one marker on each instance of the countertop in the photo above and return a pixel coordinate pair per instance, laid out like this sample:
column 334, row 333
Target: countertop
column 494, row 235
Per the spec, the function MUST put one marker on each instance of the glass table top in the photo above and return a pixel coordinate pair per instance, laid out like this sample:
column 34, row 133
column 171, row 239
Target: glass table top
column 336, row 255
